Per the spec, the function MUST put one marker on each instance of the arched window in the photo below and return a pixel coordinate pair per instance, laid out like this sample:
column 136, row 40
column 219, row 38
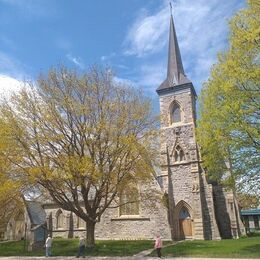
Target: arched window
column 179, row 155
column 81, row 223
column 175, row 113
column 60, row 219
column 184, row 213
column 129, row 202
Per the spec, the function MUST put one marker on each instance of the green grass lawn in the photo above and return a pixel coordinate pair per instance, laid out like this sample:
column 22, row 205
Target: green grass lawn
column 69, row 247
column 246, row 247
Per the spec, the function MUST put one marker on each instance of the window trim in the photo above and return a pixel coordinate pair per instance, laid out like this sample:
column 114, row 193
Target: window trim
column 173, row 106
column 181, row 157
column 60, row 214
column 124, row 203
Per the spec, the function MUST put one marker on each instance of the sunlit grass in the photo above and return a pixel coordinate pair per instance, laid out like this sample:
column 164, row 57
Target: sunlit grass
column 248, row 247
column 234, row 248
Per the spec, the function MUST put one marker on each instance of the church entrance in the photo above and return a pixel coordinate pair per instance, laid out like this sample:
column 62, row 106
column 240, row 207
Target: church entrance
column 185, row 223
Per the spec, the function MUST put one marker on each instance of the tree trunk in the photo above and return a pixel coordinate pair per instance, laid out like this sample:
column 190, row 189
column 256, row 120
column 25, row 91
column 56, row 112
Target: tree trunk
column 236, row 208
column 90, row 226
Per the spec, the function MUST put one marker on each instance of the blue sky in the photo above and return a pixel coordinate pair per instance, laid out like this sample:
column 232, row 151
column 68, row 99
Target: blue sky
column 131, row 36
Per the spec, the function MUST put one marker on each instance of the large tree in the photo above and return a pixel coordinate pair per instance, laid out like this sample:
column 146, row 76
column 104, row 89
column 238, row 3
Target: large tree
column 228, row 129
column 83, row 138
column 11, row 187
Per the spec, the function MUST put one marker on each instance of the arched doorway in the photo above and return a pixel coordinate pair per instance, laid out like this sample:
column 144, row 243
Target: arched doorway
column 185, row 224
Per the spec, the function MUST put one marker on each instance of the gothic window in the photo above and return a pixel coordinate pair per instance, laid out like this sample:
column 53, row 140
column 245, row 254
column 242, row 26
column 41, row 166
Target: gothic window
column 129, row 204
column 60, row 219
column 81, row 223
column 184, row 213
column 179, row 154
column 176, row 113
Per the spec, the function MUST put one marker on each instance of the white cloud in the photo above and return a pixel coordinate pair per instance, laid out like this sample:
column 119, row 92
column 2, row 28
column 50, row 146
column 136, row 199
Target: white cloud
column 147, row 33
column 124, row 81
column 9, row 85
column 151, row 75
column 76, row 60
column 12, row 75
column 202, row 31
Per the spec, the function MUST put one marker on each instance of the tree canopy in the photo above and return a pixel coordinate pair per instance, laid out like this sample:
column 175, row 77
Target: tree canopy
column 228, row 128
column 248, row 201
column 82, row 138
column 10, row 188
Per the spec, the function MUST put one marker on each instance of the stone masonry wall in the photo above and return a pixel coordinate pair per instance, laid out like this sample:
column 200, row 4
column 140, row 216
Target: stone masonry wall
column 211, row 230
column 185, row 174
column 227, row 213
column 152, row 219
column 222, row 215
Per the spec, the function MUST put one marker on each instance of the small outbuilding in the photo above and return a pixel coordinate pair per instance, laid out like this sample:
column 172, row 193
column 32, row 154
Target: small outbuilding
column 251, row 219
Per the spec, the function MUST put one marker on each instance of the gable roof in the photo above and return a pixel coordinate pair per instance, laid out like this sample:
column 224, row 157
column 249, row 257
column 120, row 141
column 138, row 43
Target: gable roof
column 36, row 213
column 248, row 212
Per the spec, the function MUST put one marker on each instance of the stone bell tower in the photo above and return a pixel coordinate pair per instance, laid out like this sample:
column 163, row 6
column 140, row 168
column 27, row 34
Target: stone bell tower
column 191, row 209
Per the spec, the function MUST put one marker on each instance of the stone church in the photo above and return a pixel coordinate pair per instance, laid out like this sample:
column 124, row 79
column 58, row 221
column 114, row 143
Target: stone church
column 195, row 209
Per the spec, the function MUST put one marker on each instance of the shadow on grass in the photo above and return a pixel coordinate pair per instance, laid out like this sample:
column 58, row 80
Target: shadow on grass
column 252, row 249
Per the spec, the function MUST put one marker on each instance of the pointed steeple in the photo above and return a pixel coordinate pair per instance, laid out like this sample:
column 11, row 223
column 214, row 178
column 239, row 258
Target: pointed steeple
column 175, row 71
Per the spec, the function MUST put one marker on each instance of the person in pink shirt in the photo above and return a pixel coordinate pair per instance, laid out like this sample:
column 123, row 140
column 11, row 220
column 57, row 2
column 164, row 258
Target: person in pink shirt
column 158, row 245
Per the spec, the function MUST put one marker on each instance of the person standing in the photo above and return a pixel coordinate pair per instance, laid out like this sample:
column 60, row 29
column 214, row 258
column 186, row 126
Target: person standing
column 48, row 244
column 158, row 245
column 81, row 250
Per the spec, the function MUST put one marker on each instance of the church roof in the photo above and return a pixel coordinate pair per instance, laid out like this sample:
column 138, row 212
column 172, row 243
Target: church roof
column 175, row 71
column 36, row 212
column 248, row 212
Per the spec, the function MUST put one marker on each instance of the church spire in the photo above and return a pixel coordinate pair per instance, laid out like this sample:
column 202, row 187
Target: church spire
column 175, row 71
column 175, row 67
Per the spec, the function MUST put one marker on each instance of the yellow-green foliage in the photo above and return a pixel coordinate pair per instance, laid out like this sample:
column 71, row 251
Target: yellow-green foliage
column 230, row 104
column 81, row 137
column 10, row 199
column 248, row 201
